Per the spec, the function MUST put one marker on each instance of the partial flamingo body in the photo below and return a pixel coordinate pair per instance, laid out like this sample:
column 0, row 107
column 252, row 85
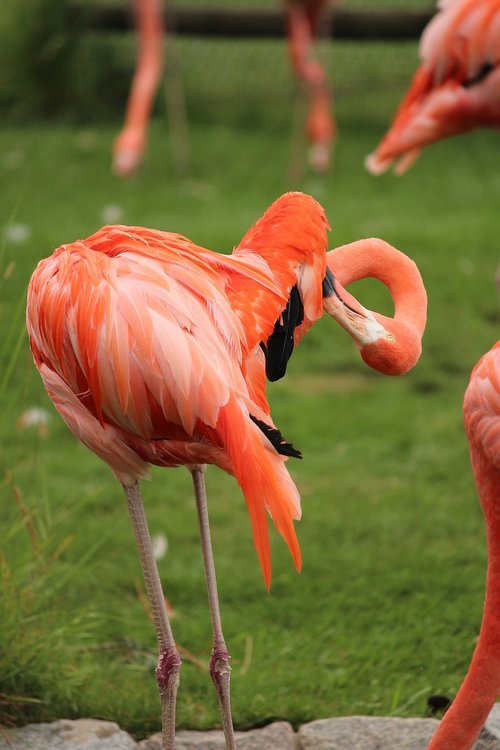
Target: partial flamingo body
column 130, row 145
column 155, row 351
column 302, row 19
column 464, row 719
column 455, row 89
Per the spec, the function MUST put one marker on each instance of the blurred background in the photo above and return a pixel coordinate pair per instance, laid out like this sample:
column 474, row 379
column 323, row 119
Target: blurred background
column 56, row 62
column 387, row 608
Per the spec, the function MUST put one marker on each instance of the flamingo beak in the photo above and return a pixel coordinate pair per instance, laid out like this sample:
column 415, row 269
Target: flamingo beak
column 359, row 322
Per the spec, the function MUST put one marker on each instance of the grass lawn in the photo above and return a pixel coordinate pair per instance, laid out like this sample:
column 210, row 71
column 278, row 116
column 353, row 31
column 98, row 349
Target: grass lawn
column 387, row 607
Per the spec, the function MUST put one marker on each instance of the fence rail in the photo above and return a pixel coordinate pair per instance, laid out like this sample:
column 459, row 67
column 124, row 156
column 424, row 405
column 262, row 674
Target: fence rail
column 383, row 25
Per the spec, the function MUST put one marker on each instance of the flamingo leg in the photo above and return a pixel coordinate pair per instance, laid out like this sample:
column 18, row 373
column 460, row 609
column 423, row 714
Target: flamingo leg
column 169, row 662
column 219, row 661
column 130, row 145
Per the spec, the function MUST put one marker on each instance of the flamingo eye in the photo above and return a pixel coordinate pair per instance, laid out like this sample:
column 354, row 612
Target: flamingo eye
column 391, row 338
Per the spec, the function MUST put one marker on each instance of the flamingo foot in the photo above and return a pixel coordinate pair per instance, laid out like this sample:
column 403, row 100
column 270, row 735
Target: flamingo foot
column 128, row 152
column 220, row 672
column 167, row 677
column 319, row 157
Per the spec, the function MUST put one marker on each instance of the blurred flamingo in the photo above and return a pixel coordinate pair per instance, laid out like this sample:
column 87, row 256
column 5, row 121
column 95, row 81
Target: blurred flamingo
column 155, row 351
column 464, row 719
column 302, row 21
column 455, row 89
column 130, row 145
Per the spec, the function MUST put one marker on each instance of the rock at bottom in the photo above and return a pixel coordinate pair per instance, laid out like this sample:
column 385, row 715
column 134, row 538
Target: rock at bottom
column 367, row 733
column 276, row 736
column 371, row 733
column 82, row 734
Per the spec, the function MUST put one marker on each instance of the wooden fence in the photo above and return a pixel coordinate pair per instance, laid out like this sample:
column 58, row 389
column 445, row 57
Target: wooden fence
column 373, row 25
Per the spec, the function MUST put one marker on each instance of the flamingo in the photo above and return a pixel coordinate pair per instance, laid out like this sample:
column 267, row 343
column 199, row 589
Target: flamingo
column 455, row 89
column 155, row 351
column 130, row 145
column 464, row 719
column 301, row 20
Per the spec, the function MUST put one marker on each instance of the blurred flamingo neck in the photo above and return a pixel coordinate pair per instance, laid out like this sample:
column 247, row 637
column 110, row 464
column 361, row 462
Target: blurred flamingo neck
column 488, row 486
column 377, row 259
column 464, row 719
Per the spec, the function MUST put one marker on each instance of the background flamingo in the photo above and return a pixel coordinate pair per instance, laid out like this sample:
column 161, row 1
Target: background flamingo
column 130, row 145
column 104, row 316
column 464, row 719
column 302, row 21
column 455, row 89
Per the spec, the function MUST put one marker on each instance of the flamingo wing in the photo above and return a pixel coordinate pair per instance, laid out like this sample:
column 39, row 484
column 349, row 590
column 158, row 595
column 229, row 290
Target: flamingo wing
column 150, row 345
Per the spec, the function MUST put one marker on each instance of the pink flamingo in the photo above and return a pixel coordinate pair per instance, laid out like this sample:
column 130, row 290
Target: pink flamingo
column 464, row 719
column 155, row 351
column 455, row 89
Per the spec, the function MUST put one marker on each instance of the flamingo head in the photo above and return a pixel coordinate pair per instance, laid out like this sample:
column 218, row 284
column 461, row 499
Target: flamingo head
column 388, row 345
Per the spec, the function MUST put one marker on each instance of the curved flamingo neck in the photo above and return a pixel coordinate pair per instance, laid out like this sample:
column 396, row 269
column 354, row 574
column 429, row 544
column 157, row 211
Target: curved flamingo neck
column 465, row 718
column 377, row 259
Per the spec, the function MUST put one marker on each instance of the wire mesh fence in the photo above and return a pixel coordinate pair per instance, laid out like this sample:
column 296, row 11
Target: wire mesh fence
column 245, row 77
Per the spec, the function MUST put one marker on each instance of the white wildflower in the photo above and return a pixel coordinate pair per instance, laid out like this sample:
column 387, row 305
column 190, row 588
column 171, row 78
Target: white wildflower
column 17, row 233
column 160, row 546
column 112, row 214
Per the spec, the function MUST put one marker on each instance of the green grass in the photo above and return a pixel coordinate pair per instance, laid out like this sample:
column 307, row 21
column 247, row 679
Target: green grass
column 387, row 607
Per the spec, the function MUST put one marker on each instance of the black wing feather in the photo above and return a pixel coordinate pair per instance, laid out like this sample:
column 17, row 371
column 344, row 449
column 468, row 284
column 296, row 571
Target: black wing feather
column 279, row 346
column 276, row 439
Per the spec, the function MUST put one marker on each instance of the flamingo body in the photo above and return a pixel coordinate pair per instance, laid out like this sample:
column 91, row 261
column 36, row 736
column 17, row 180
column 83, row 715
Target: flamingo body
column 464, row 719
column 142, row 340
column 455, row 89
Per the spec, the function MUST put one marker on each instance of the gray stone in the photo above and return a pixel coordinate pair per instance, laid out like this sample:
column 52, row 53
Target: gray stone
column 370, row 733
column 367, row 733
column 346, row 733
column 82, row 734
column 486, row 742
column 492, row 725
column 276, row 736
